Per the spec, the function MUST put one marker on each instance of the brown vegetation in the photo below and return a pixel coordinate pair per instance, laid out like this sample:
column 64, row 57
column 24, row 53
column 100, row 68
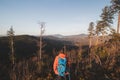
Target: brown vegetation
column 98, row 63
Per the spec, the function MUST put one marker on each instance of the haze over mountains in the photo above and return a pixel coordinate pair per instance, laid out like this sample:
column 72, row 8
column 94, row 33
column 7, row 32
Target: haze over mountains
column 27, row 45
column 31, row 43
column 81, row 38
column 62, row 36
column 66, row 38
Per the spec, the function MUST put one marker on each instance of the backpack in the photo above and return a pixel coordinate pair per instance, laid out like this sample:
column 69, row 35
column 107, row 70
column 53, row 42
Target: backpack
column 61, row 66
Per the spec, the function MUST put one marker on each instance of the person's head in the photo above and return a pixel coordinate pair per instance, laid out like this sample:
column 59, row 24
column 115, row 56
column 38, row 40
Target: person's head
column 62, row 51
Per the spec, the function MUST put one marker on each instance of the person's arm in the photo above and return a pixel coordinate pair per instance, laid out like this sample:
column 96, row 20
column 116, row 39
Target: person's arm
column 68, row 66
column 68, row 62
column 55, row 65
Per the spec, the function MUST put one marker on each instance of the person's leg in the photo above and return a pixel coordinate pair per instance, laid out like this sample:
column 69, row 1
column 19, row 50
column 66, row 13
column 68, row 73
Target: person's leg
column 67, row 77
column 60, row 78
column 57, row 78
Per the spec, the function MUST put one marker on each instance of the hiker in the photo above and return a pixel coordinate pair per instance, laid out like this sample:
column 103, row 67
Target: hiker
column 60, row 67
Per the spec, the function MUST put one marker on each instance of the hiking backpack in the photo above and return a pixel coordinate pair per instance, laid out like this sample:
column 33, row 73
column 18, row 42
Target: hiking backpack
column 61, row 66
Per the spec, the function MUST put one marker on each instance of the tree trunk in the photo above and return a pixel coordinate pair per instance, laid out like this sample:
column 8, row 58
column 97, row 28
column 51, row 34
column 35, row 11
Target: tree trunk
column 118, row 27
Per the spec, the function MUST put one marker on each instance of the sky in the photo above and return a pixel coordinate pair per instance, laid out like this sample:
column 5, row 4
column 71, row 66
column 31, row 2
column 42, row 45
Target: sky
column 65, row 17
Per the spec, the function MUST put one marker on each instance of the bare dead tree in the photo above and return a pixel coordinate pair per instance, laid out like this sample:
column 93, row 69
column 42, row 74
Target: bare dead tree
column 42, row 30
column 10, row 34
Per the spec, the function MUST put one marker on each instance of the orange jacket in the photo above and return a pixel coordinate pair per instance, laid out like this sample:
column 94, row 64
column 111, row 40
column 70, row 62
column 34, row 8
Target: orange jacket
column 61, row 55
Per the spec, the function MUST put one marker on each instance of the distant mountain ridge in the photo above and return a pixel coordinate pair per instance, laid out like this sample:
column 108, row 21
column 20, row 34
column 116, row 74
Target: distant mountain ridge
column 72, row 38
column 69, row 36
column 58, row 35
column 83, row 38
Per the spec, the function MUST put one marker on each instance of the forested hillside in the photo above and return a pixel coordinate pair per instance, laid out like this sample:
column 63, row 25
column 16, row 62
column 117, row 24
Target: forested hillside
column 96, row 63
column 26, row 48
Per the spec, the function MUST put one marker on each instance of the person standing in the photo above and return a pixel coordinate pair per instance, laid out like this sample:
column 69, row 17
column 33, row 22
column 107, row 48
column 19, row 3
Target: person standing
column 60, row 66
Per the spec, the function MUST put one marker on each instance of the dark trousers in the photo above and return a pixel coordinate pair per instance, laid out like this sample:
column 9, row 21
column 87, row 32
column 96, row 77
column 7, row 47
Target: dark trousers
column 62, row 77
